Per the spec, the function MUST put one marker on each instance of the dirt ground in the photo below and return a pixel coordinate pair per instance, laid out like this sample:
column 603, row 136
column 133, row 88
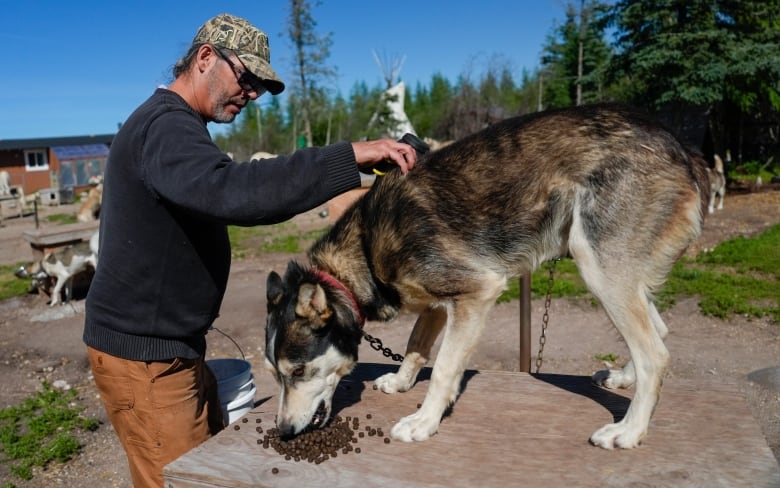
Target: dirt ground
column 40, row 343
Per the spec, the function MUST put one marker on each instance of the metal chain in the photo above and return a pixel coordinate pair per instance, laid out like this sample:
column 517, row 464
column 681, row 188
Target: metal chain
column 376, row 344
column 546, row 316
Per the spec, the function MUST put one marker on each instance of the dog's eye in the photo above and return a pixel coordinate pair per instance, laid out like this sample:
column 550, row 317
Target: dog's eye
column 298, row 372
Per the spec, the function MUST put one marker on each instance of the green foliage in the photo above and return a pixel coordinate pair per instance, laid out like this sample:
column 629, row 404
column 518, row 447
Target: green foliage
column 566, row 283
column 40, row 430
column 719, row 59
column 279, row 238
column 10, row 285
column 612, row 358
column 740, row 276
column 561, row 57
column 61, row 218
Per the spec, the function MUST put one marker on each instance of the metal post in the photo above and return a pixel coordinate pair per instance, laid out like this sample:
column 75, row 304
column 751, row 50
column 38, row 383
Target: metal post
column 525, row 322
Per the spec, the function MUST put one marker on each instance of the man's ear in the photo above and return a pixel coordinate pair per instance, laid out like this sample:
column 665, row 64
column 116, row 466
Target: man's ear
column 205, row 56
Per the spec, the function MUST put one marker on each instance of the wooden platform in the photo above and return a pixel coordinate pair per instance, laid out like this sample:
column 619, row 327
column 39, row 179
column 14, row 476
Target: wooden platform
column 507, row 429
column 46, row 239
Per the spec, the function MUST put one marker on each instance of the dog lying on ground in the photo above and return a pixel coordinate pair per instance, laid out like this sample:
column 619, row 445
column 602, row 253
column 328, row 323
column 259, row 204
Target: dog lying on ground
column 602, row 184
column 61, row 266
column 717, row 179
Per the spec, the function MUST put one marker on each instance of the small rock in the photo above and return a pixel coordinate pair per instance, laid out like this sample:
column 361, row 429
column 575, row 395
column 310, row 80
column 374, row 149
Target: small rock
column 767, row 377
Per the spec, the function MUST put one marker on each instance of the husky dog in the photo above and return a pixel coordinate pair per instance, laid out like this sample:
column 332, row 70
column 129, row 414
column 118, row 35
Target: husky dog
column 717, row 184
column 603, row 184
column 61, row 265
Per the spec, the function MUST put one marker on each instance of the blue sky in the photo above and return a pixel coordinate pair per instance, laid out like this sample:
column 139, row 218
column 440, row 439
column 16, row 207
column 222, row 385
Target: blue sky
column 81, row 67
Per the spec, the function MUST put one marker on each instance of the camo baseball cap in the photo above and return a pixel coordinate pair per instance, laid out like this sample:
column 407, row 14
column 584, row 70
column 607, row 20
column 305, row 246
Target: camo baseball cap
column 248, row 42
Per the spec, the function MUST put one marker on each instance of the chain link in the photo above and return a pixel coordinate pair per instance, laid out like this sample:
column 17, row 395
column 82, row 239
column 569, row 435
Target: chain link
column 376, row 344
column 546, row 316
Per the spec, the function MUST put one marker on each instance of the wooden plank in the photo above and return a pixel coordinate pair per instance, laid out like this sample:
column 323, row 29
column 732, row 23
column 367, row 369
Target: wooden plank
column 48, row 236
column 507, row 429
column 46, row 239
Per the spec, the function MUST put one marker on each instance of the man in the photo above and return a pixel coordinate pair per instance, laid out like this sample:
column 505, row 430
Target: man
column 169, row 193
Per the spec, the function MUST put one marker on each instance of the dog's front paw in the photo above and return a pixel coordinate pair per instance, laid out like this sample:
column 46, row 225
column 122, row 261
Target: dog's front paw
column 392, row 383
column 415, row 427
column 614, row 378
column 618, row 435
column 386, row 313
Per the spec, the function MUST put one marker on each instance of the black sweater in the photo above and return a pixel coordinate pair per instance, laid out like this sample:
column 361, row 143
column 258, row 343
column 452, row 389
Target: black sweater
column 168, row 195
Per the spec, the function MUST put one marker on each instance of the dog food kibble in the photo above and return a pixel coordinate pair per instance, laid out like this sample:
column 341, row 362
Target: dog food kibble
column 258, row 420
column 275, row 470
column 236, row 427
column 316, row 446
column 244, row 420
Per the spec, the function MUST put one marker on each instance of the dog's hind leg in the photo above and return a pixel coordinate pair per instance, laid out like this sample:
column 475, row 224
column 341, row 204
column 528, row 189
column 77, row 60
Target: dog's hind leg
column 418, row 350
column 622, row 292
column 465, row 320
column 650, row 359
column 626, row 377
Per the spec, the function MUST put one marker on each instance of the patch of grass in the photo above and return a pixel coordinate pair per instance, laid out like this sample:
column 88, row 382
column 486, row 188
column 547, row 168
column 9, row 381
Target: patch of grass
column 61, row 218
column 740, row 276
column 10, row 285
column 278, row 238
column 612, row 358
column 750, row 170
column 566, row 282
column 41, row 430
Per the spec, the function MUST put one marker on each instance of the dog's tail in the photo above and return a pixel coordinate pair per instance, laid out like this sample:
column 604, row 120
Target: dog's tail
column 718, row 164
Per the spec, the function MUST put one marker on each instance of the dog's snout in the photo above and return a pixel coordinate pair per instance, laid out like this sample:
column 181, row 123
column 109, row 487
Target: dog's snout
column 286, row 430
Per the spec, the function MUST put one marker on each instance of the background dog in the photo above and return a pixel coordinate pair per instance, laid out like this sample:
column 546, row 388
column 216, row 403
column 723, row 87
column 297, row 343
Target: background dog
column 717, row 179
column 90, row 209
column 62, row 266
column 605, row 185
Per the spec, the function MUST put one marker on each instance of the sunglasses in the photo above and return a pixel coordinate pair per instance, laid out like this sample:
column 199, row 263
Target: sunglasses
column 246, row 80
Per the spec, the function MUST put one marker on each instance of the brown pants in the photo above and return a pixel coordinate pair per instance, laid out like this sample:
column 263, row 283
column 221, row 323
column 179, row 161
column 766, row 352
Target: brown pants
column 160, row 410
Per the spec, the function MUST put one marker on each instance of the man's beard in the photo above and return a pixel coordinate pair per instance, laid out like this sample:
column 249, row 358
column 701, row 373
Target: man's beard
column 221, row 102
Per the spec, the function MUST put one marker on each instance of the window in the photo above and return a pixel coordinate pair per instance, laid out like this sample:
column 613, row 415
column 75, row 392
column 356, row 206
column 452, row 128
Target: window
column 36, row 160
column 80, row 172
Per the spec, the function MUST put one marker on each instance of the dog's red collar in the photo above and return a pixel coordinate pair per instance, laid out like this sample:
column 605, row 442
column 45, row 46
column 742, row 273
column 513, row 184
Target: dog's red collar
column 332, row 281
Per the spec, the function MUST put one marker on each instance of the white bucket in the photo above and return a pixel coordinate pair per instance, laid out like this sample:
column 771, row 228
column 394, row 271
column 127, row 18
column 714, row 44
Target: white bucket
column 237, row 408
column 235, row 386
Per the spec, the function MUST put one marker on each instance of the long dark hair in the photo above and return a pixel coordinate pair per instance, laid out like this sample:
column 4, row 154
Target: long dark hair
column 183, row 64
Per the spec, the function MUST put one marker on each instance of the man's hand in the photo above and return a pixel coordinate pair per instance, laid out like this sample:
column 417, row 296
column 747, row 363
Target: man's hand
column 369, row 153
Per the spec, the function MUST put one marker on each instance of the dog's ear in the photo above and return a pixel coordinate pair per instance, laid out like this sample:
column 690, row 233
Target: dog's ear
column 274, row 289
column 313, row 304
